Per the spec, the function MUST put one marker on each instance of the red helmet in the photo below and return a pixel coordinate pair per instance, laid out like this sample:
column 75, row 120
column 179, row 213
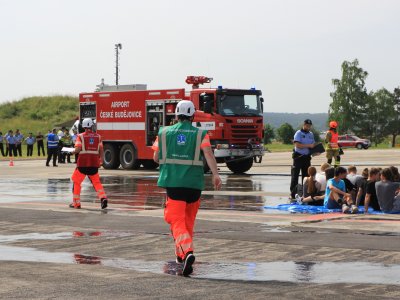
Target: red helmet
column 333, row 124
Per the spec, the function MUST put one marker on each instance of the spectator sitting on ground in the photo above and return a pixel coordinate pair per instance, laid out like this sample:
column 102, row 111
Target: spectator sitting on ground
column 336, row 196
column 395, row 173
column 387, row 192
column 352, row 175
column 329, row 173
column 371, row 200
column 361, row 187
column 312, row 193
column 321, row 176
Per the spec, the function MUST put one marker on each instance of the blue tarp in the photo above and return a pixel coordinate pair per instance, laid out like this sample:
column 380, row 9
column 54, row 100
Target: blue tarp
column 311, row 209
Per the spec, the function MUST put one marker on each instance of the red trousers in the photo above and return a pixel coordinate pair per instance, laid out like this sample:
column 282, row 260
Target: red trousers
column 181, row 217
column 78, row 177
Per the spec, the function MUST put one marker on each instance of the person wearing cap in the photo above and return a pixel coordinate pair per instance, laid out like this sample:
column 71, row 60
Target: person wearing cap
column 52, row 147
column 30, row 140
column 303, row 142
column 90, row 149
column 11, row 144
column 19, row 138
column 179, row 149
column 332, row 146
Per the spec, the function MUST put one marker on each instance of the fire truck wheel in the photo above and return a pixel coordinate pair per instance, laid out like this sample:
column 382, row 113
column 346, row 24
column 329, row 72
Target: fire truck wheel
column 128, row 157
column 240, row 166
column 111, row 157
column 149, row 164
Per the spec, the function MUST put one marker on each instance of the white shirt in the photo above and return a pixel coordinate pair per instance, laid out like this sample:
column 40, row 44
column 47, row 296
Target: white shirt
column 353, row 178
column 321, row 178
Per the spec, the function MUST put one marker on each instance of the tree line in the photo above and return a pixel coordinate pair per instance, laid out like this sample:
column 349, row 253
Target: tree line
column 371, row 114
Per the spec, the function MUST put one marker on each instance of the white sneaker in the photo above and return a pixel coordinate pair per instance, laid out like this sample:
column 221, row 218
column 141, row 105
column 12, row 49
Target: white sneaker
column 345, row 209
column 354, row 209
column 298, row 199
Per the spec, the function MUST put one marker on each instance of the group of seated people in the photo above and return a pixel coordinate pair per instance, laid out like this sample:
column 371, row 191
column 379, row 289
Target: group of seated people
column 340, row 188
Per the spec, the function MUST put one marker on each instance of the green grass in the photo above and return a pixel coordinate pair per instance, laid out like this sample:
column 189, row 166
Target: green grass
column 35, row 114
column 280, row 147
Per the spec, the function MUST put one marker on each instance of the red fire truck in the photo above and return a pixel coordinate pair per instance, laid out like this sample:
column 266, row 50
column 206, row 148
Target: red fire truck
column 129, row 117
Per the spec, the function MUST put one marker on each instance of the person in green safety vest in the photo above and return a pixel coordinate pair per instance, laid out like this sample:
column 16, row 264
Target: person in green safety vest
column 179, row 149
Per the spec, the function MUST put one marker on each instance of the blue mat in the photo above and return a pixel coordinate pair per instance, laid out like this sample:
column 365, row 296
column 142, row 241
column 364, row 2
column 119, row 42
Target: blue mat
column 311, row 209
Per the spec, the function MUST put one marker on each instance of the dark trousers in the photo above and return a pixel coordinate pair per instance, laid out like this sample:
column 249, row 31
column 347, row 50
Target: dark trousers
column 300, row 163
column 52, row 152
column 29, row 150
column 12, row 150
column 2, row 149
column 19, row 149
column 40, row 146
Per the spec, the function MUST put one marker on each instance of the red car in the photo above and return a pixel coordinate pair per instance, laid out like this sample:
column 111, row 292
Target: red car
column 352, row 141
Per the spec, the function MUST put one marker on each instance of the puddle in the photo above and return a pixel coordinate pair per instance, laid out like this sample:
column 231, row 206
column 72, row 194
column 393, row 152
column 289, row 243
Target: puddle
column 289, row 271
column 297, row 272
column 143, row 193
column 62, row 235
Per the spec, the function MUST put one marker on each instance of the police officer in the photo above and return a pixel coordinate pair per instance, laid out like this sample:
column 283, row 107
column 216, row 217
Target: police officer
column 90, row 149
column 179, row 150
column 52, row 147
column 303, row 142
column 11, row 144
column 30, row 140
column 332, row 149
column 19, row 137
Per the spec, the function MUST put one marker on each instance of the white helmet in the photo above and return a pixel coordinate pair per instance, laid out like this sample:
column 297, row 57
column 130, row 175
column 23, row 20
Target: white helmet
column 185, row 107
column 87, row 123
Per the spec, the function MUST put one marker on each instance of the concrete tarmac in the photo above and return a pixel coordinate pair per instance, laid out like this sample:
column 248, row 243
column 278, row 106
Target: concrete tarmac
column 48, row 250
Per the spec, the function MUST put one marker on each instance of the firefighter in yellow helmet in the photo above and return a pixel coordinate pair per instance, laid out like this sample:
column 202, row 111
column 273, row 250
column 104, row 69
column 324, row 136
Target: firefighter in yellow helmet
column 332, row 147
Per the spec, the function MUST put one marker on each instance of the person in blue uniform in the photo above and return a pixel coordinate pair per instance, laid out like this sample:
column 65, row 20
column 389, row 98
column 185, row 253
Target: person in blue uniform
column 303, row 141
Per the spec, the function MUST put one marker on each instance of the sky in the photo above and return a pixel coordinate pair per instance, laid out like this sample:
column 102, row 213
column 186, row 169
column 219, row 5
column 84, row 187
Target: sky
column 290, row 49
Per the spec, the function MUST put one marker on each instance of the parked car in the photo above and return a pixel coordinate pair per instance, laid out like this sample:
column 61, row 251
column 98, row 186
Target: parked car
column 351, row 141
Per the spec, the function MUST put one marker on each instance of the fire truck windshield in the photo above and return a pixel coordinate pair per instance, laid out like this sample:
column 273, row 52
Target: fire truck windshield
column 239, row 105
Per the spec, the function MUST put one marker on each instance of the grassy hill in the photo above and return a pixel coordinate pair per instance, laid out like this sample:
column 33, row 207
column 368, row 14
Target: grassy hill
column 35, row 114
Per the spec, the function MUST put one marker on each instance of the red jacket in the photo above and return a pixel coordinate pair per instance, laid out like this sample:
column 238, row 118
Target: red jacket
column 90, row 144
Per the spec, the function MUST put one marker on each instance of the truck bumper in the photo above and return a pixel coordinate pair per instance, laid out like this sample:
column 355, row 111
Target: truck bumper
column 238, row 152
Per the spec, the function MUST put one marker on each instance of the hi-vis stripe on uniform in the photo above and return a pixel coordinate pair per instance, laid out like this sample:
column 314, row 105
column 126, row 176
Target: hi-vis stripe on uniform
column 84, row 151
column 196, row 162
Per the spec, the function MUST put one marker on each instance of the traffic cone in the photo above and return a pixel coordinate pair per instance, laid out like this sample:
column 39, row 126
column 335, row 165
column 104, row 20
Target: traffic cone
column 11, row 164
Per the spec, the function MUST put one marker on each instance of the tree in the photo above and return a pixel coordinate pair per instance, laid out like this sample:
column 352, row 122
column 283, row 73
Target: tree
column 395, row 126
column 385, row 116
column 286, row 133
column 269, row 133
column 350, row 98
column 317, row 137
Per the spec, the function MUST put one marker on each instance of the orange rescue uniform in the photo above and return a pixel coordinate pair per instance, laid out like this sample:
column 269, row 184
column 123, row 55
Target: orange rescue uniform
column 180, row 213
column 88, row 163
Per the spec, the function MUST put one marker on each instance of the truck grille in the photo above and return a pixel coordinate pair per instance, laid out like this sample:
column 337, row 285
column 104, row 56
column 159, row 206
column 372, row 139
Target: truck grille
column 242, row 133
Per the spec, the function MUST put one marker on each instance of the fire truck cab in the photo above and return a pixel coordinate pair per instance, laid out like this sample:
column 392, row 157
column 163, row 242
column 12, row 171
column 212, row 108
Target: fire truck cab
column 129, row 117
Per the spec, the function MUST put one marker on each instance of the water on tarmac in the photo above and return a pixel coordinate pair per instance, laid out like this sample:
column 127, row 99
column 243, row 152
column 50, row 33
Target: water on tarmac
column 244, row 192
column 285, row 271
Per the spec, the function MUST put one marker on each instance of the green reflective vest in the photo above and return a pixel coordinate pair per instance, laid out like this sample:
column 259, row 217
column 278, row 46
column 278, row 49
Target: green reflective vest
column 180, row 157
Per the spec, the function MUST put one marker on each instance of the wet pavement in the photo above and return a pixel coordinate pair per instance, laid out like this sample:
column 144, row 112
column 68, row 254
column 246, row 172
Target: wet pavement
column 285, row 271
column 126, row 251
column 242, row 193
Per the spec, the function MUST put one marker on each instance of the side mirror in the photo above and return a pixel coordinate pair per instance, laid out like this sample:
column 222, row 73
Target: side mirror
column 262, row 103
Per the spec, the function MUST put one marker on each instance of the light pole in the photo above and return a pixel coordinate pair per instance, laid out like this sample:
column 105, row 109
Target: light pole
column 117, row 48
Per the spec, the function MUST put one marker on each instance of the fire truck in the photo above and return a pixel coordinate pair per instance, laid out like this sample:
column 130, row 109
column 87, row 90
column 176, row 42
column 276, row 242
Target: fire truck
column 128, row 117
